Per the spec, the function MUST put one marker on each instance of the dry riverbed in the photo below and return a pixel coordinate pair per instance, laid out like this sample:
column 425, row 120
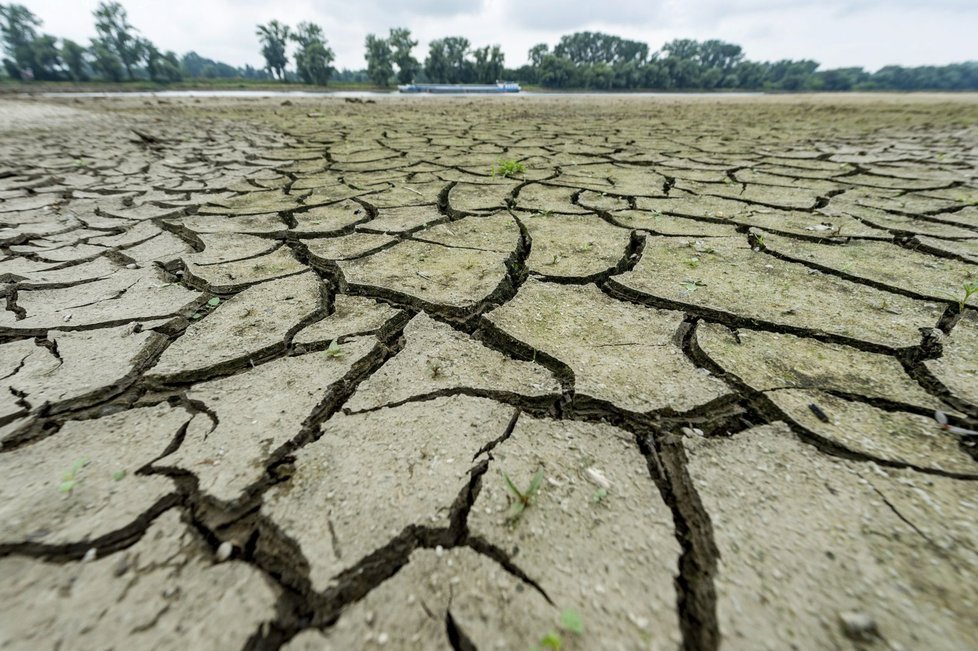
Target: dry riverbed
column 307, row 374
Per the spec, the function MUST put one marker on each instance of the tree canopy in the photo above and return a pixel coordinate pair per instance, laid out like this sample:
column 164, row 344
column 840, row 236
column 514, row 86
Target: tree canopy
column 314, row 59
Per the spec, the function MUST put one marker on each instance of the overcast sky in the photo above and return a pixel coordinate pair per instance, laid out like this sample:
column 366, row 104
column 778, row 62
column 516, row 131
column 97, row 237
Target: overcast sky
column 868, row 33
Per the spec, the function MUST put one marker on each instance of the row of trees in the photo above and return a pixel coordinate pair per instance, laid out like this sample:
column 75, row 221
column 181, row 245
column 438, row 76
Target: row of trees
column 118, row 52
column 313, row 56
column 602, row 61
column 581, row 60
column 450, row 60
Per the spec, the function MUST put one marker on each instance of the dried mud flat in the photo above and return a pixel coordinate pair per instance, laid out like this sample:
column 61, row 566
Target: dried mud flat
column 271, row 366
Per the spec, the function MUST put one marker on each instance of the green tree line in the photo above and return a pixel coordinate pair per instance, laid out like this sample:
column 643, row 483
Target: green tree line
column 583, row 60
column 603, row 61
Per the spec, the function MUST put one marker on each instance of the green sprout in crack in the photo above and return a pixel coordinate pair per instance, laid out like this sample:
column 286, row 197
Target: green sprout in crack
column 543, row 213
column 522, row 499
column 70, row 478
column 508, row 168
column 334, row 349
column 969, row 290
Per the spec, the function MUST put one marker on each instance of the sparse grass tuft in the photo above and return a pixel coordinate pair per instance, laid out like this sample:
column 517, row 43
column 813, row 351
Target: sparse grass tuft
column 522, row 499
column 508, row 168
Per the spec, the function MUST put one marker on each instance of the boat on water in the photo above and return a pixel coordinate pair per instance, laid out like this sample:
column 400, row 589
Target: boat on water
column 462, row 89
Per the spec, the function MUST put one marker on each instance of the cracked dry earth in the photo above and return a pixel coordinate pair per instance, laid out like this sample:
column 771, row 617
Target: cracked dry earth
column 270, row 366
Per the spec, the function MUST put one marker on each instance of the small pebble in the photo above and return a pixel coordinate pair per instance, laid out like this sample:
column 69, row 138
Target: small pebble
column 89, row 555
column 597, row 477
column 858, row 626
column 224, row 551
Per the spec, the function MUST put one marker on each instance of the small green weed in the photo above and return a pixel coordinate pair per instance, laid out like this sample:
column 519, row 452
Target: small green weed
column 508, row 168
column 522, row 499
column 334, row 349
column 570, row 623
column 70, row 478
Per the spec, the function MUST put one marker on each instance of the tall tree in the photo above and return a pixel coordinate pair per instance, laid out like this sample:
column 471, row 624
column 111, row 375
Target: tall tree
column 460, row 69
column 314, row 59
column 379, row 60
column 47, row 58
column 73, row 55
column 118, row 36
column 401, row 46
column 488, row 64
column 588, row 48
column 436, row 64
column 105, row 62
column 536, row 54
column 18, row 29
column 447, row 61
column 274, row 37
column 160, row 67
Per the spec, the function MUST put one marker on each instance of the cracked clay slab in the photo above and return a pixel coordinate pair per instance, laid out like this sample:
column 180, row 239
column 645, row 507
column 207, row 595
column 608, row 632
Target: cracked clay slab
column 435, row 274
column 158, row 594
column 370, row 476
column 252, row 422
column 250, row 324
column 894, row 436
column 492, row 608
column 785, row 581
column 436, row 357
column 80, row 484
column 619, row 352
column 729, row 277
column 597, row 537
column 770, row 360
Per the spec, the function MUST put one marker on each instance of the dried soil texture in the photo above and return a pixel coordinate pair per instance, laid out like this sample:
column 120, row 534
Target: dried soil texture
column 309, row 375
